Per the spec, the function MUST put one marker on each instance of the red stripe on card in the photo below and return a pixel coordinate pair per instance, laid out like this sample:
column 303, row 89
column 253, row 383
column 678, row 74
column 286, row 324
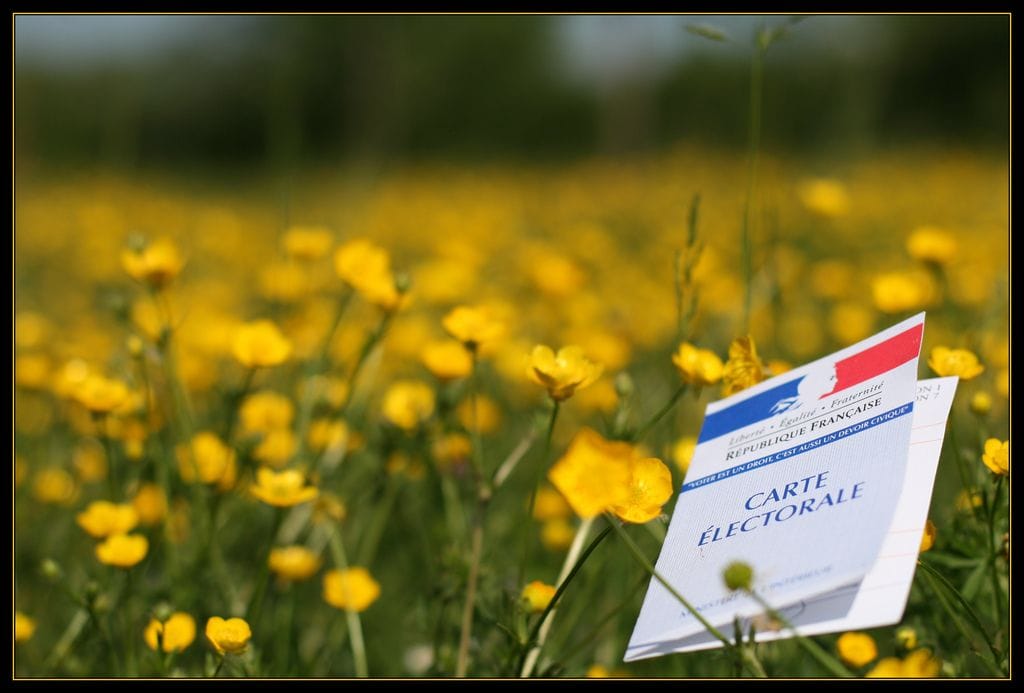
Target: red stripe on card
column 880, row 358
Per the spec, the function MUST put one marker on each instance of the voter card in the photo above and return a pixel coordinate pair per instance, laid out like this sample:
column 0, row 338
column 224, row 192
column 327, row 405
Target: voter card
column 800, row 477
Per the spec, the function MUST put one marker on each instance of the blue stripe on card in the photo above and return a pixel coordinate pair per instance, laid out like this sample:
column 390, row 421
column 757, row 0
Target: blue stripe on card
column 749, row 411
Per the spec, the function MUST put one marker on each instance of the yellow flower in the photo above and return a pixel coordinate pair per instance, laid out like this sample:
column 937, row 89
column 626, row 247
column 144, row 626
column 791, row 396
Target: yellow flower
column 367, row 268
column 173, row 635
column 918, row 664
column 103, row 518
column 599, row 671
column 451, row 449
column 981, row 403
column 856, row 649
column 594, row 474
column 155, row 264
column 557, row 535
column 101, row 395
column 133, row 439
column 447, row 360
column 959, row 362
column 562, row 373
column 358, row 258
column 487, row 416
column 650, row 487
column 285, row 282
column 327, row 434
column 293, row 562
column 228, row 637
column 549, row 504
column 886, row 668
column 967, row 500
column 352, row 588
column 260, row 343
column 928, row 536
column 897, row 292
column 24, row 627
column 997, row 456
column 474, row 326
column 537, row 596
column 89, row 460
column 1003, row 382
column 307, row 242
column 32, row 371
column 682, row 452
column 282, row 489
column 122, row 550
column 930, row 244
column 824, row 196
column 276, row 447
column 150, row 503
column 744, row 368
column 408, row 403
column 329, row 508
column 697, row 367
column 215, row 461
column 54, row 485
column 401, row 463
column 31, row 330
column 265, row 411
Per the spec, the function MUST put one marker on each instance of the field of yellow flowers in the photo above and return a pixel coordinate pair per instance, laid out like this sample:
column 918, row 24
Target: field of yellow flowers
column 431, row 421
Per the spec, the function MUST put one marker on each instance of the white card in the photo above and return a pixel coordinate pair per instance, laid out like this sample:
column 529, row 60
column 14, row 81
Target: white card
column 802, row 477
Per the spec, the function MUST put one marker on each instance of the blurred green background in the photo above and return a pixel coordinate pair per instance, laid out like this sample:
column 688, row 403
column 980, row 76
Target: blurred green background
column 151, row 91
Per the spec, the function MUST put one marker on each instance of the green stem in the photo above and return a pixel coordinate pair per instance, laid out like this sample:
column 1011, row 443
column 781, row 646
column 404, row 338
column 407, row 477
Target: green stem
column 179, row 397
column 812, row 648
column 468, row 609
column 595, row 632
column 636, row 437
column 997, row 590
column 649, row 567
column 212, row 549
column 63, row 647
column 116, row 490
column 252, row 612
column 478, row 445
column 112, row 650
column 236, row 404
column 961, row 464
column 338, row 315
column 934, row 579
column 371, row 341
column 355, row 626
column 219, row 665
column 537, row 476
column 514, row 458
column 375, row 530
column 316, row 366
column 574, row 560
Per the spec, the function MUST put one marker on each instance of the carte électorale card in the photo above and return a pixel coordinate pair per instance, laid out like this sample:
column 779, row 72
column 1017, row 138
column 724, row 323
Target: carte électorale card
column 800, row 477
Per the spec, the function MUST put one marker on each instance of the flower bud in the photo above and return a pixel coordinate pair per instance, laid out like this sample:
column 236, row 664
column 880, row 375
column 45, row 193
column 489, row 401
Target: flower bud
column 624, row 385
column 738, row 576
column 51, row 570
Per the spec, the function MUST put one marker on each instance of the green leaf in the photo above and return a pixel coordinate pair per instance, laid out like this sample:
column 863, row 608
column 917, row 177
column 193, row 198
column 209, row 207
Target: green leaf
column 974, row 582
column 708, row 32
column 951, row 561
